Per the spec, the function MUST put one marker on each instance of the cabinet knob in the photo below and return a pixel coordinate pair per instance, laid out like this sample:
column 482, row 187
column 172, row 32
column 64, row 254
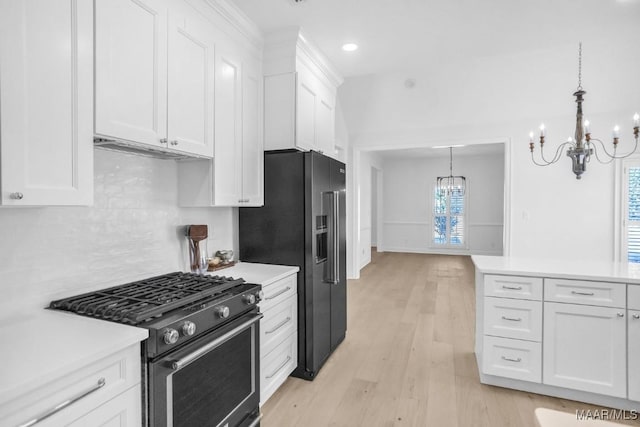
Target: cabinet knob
column 620, row 314
column 164, row 141
column 636, row 316
column 16, row 196
column 174, row 142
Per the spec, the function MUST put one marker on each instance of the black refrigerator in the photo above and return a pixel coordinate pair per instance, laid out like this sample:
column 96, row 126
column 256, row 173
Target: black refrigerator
column 302, row 223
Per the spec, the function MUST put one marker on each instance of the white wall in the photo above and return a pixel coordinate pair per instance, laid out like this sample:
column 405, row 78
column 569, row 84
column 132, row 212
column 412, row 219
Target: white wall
column 134, row 230
column 363, row 197
column 502, row 98
column 408, row 192
column 374, row 206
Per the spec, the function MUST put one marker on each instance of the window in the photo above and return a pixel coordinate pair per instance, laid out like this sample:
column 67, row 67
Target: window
column 448, row 219
column 631, row 219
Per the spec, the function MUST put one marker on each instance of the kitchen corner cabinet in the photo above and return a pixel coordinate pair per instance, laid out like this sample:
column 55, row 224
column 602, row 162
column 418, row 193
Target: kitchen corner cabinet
column 155, row 75
column 46, row 102
column 235, row 175
column 299, row 112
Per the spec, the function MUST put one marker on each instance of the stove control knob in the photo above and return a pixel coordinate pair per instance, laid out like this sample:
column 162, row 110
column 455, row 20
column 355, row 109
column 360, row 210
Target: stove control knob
column 249, row 299
column 222, row 311
column 171, row 336
column 188, row 328
column 259, row 295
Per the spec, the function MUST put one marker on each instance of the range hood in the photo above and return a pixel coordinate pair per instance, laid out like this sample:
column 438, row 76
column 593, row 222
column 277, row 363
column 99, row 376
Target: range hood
column 142, row 149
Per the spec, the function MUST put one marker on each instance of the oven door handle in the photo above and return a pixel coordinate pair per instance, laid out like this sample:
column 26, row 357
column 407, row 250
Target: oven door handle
column 181, row 363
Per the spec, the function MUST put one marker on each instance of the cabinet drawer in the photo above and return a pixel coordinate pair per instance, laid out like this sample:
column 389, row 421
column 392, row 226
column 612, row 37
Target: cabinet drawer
column 278, row 322
column 276, row 366
column 513, row 287
column 633, row 297
column 279, row 291
column 119, row 371
column 585, row 292
column 512, row 318
column 505, row 357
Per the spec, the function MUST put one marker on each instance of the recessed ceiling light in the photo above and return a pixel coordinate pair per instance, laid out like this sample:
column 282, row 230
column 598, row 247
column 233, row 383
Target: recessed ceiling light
column 349, row 47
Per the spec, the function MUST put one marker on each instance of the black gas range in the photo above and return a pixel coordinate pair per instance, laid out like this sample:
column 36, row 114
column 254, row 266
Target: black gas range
column 201, row 360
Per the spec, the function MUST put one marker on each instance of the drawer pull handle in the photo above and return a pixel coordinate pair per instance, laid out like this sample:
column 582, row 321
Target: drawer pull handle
column 512, row 288
column 513, row 319
column 279, row 368
column 276, row 295
column 508, row 359
column 636, row 316
column 280, row 325
column 60, row 406
column 587, row 294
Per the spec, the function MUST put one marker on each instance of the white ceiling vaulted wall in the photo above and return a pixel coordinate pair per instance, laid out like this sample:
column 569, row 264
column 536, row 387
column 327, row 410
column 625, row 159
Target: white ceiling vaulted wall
column 407, row 35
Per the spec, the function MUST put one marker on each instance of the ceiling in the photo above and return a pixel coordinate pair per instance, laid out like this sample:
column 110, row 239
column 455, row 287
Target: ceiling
column 406, row 35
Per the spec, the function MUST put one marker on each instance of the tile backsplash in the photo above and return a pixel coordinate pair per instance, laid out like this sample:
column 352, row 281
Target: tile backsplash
column 134, row 230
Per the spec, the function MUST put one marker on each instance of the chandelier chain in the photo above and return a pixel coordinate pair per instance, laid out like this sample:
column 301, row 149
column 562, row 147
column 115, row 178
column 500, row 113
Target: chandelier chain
column 580, row 66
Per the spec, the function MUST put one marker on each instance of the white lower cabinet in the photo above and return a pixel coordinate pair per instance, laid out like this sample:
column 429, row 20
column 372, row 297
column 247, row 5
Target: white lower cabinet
column 123, row 410
column 278, row 334
column 633, row 339
column 585, row 348
column 106, row 392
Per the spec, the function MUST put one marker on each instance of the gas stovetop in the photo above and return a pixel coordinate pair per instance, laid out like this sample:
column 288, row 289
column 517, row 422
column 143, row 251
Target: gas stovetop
column 174, row 307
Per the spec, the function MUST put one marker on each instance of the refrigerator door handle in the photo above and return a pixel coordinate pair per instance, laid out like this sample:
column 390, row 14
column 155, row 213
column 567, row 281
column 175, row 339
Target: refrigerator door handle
column 336, row 238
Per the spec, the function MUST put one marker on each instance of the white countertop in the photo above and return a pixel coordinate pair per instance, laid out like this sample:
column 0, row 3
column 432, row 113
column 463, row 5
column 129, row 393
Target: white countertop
column 570, row 269
column 261, row 274
column 47, row 344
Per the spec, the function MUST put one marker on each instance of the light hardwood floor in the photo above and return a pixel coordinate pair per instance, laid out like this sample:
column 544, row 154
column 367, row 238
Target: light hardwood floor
column 408, row 357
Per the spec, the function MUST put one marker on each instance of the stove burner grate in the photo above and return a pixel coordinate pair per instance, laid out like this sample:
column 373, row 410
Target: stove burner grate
column 138, row 301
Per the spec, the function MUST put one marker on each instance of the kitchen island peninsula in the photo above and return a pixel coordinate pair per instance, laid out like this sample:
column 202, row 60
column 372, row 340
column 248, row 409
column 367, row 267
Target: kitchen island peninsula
column 561, row 328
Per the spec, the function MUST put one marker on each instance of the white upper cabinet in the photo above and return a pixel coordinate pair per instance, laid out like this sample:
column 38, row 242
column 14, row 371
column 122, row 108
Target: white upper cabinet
column 252, row 135
column 228, row 152
column 190, row 118
column 155, row 75
column 46, row 102
column 300, row 95
column 234, row 177
column 131, row 70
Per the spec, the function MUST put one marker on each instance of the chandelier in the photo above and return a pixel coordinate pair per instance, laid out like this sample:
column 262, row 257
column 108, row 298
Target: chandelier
column 451, row 185
column 584, row 145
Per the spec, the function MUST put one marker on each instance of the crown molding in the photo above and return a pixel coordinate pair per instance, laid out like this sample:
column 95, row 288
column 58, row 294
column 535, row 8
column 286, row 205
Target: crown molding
column 290, row 43
column 238, row 21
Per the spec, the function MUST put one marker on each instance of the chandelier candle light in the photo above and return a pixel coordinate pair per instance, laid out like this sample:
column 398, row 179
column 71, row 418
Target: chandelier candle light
column 583, row 146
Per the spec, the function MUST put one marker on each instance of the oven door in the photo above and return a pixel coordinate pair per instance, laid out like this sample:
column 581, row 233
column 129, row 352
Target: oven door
column 213, row 381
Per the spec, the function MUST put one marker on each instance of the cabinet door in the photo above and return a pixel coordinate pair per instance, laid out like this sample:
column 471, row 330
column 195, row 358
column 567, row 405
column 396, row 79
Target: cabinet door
column 190, row 81
column 634, row 354
column 584, row 348
column 306, row 100
column 325, row 123
column 122, row 411
column 46, row 85
column 228, row 143
column 252, row 142
column 131, row 70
